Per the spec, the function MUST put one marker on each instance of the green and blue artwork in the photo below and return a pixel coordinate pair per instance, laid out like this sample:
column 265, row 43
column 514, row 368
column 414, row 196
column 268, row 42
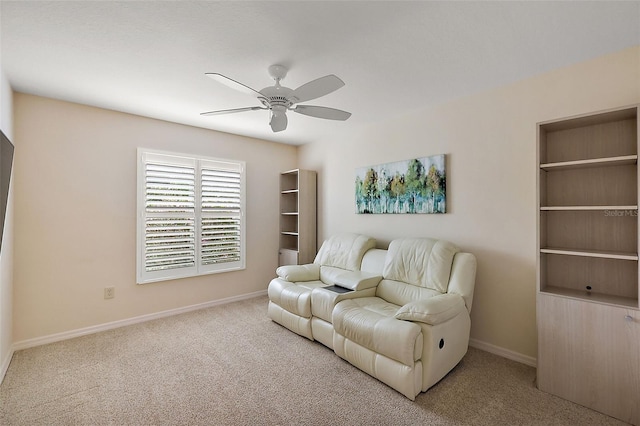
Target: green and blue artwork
column 412, row 186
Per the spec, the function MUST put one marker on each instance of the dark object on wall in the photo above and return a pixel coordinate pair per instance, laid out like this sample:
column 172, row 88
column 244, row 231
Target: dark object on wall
column 6, row 161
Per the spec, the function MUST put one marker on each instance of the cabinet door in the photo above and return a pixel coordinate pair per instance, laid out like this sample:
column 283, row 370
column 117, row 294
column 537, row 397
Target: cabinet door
column 288, row 257
column 589, row 353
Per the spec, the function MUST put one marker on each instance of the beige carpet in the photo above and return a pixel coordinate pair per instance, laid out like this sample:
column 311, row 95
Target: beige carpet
column 230, row 365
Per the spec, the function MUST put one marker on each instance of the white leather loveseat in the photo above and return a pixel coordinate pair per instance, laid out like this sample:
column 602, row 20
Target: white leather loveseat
column 401, row 316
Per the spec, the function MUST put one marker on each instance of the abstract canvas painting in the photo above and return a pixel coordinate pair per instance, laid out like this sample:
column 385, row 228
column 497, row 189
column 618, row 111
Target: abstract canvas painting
column 411, row 186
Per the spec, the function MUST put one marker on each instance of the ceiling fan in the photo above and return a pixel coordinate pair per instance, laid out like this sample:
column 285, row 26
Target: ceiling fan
column 279, row 99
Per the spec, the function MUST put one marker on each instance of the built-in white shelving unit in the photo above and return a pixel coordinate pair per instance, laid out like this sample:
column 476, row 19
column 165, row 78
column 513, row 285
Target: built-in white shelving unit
column 587, row 278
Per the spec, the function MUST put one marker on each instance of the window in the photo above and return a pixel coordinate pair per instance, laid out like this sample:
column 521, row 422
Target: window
column 190, row 216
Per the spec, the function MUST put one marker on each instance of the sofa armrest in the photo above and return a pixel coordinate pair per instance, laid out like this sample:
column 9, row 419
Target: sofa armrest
column 299, row 273
column 358, row 280
column 434, row 310
column 463, row 277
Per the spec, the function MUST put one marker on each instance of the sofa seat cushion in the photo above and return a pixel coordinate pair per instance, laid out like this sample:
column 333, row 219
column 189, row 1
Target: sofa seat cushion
column 370, row 322
column 323, row 300
column 293, row 297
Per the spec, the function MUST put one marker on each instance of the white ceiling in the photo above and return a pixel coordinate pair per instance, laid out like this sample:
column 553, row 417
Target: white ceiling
column 149, row 58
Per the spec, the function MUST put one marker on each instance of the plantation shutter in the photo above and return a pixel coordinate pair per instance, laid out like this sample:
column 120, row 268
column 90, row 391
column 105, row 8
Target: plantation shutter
column 190, row 216
column 169, row 226
column 221, row 214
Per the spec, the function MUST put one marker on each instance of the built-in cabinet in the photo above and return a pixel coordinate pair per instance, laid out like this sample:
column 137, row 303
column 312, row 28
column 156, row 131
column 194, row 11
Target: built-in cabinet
column 587, row 300
column 297, row 217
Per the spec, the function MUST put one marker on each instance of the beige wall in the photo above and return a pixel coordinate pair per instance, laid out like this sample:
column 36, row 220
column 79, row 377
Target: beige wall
column 6, row 254
column 490, row 142
column 75, row 215
column 74, row 201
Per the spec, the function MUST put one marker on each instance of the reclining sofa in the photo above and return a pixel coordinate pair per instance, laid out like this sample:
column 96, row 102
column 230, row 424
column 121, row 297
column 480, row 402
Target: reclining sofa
column 400, row 315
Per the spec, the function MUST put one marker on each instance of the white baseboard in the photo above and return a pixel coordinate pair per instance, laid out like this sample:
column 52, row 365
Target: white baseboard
column 5, row 364
column 30, row 343
column 505, row 353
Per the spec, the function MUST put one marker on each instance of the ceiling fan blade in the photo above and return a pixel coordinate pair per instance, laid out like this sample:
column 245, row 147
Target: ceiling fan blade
column 230, row 111
column 322, row 112
column 278, row 121
column 318, row 87
column 233, row 84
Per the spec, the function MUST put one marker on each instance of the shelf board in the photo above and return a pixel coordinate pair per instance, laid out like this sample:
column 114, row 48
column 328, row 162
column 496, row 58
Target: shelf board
column 291, row 172
column 561, row 208
column 594, row 162
column 590, row 253
column 289, row 213
column 295, row 249
column 289, row 191
column 295, row 234
column 591, row 296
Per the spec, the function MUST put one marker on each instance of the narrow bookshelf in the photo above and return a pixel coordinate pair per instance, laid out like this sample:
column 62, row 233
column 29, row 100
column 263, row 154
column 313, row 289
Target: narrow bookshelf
column 297, row 217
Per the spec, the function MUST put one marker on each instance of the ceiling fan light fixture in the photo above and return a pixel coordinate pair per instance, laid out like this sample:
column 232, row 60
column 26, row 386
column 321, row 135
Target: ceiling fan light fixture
column 278, row 118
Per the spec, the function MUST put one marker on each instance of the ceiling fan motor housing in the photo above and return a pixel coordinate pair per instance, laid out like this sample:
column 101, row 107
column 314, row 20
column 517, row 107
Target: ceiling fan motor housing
column 278, row 95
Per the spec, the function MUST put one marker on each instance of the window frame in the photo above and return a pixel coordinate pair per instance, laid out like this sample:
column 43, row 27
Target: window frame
column 199, row 163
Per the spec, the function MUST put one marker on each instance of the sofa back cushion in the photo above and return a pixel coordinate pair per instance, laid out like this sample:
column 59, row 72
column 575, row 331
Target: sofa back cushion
column 420, row 262
column 344, row 251
column 373, row 261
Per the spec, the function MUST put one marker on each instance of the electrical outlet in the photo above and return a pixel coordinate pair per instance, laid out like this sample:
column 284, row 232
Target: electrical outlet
column 109, row 292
